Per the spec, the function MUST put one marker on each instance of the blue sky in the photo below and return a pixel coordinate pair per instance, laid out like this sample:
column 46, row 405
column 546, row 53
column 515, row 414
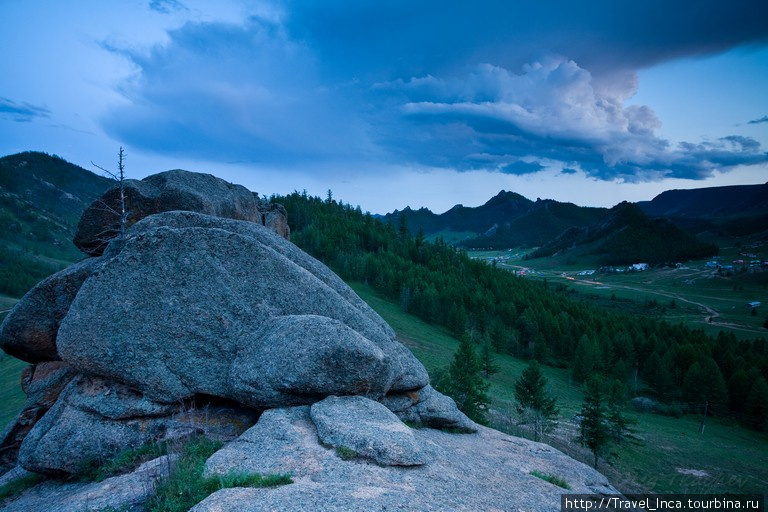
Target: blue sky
column 428, row 103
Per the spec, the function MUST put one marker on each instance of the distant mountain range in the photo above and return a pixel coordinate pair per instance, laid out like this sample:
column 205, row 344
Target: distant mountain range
column 722, row 212
column 624, row 235
column 709, row 203
column 654, row 231
column 506, row 220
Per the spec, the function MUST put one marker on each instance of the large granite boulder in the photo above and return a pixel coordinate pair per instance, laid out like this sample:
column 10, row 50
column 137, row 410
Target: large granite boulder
column 192, row 304
column 174, row 190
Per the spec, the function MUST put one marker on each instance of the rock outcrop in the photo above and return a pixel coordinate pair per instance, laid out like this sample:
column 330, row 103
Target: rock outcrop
column 174, row 190
column 190, row 305
column 194, row 323
column 229, row 309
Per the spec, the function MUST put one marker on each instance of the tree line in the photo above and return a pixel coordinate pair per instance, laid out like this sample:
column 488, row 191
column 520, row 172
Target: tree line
column 685, row 369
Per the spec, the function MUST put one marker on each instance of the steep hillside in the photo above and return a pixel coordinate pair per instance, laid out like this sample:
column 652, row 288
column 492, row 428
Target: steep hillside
column 626, row 235
column 41, row 199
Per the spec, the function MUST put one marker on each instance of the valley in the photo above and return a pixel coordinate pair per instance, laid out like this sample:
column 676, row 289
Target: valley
column 692, row 293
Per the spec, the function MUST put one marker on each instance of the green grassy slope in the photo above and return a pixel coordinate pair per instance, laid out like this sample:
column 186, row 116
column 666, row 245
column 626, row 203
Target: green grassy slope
column 11, row 396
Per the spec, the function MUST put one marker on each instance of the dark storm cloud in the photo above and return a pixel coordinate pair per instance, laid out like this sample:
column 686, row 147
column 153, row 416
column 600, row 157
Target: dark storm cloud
column 21, row 112
column 514, row 87
column 405, row 38
column 519, row 168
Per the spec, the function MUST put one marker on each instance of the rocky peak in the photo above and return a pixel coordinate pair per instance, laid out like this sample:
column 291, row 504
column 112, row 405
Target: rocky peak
column 174, row 190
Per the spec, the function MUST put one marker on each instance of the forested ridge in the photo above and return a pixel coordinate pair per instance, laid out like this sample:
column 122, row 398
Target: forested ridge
column 679, row 366
column 626, row 235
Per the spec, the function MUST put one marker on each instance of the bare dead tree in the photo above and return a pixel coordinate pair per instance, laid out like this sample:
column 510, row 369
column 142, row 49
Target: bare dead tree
column 121, row 211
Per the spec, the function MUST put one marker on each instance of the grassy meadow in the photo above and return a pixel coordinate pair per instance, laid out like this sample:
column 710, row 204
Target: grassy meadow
column 692, row 294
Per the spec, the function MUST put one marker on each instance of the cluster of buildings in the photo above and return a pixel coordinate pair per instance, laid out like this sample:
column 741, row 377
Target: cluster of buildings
column 741, row 265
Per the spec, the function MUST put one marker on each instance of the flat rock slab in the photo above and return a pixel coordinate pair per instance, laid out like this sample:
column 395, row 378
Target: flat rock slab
column 487, row 471
column 367, row 429
column 126, row 492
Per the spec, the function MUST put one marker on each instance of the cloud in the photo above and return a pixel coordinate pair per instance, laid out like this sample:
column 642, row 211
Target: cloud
column 430, row 84
column 520, row 168
column 257, row 99
column 555, row 111
column 167, row 6
column 763, row 119
column 400, row 38
column 21, row 112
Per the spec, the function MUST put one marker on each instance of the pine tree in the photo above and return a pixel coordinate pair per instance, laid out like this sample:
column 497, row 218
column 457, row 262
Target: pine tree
column 594, row 432
column 621, row 425
column 534, row 405
column 756, row 405
column 465, row 384
column 587, row 358
column 487, row 359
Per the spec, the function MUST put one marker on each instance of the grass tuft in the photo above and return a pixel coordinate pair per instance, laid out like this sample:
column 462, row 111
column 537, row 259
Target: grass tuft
column 123, row 462
column 553, row 479
column 187, row 487
column 16, row 487
column 345, row 453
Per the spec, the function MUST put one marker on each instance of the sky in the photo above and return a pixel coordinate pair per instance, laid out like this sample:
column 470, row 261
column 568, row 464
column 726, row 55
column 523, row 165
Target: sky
column 398, row 103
